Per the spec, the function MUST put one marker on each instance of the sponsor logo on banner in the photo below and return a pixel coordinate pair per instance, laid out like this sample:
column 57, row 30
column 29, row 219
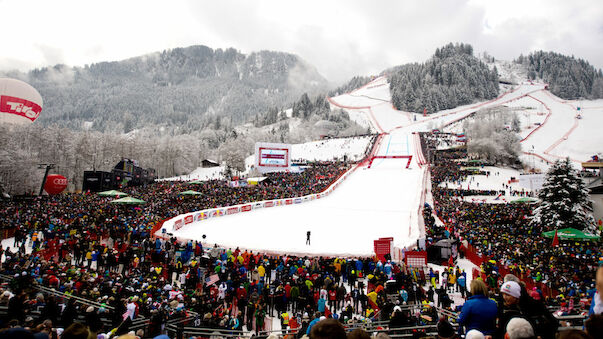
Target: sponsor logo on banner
column 288, row 202
column 246, row 208
column 216, row 213
column 297, row 201
column 21, row 107
column 188, row 219
column 60, row 181
column 258, row 205
column 269, row 204
column 232, row 210
column 279, row 203
column 318, row 196
column 306, row 199
column 197, row 216
column 178, row 224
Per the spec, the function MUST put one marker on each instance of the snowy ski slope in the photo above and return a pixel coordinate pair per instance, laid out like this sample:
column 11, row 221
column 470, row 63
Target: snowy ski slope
column 382, row 201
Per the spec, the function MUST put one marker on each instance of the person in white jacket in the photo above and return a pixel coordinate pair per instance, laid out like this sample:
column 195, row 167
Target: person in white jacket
column 596, row 306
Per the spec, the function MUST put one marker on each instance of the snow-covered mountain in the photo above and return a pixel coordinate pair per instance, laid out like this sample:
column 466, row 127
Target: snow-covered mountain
column 185, row 88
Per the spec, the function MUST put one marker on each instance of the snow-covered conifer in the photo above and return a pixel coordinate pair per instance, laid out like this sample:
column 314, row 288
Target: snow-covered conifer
column 564, row 200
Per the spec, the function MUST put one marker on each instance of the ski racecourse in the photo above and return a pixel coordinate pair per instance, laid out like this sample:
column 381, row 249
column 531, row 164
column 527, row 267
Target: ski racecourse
column 385, row 200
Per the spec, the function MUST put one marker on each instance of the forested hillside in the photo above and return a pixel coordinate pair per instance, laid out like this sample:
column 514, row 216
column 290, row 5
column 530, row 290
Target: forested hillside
column 568, row 77
column 451, row 78
column 187, row 89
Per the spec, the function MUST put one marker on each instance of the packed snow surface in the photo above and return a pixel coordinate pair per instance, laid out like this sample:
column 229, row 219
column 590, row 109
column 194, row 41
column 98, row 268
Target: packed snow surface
column 345, row 222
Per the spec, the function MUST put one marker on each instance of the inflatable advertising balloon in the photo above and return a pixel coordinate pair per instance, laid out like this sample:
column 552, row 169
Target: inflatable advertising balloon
column 19, row 102
column 55, row 184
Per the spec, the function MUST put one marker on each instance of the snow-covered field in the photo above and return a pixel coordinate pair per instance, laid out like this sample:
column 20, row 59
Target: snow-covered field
column 332, row 149
column 383, row 201
column 495, row 181
column 200, row 174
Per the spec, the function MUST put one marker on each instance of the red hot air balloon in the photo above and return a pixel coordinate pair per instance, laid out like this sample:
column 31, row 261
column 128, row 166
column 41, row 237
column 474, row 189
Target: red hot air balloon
column 19, row 102
column 55, row 184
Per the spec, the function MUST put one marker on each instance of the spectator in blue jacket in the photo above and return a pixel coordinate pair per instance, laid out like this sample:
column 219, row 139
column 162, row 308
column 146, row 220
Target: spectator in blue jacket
column 479, row 312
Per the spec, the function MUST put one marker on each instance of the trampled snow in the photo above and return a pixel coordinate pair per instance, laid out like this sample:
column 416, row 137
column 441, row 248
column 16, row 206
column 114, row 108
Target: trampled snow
column 382, row 201
column 498, row 178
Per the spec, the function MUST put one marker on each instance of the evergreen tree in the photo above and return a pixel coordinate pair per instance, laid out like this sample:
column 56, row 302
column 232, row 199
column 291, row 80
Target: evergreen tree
column 452, row 77
column 564, row 200
column 568, row 77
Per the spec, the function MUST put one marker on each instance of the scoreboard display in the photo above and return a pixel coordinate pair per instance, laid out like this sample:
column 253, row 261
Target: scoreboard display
column 271, row 157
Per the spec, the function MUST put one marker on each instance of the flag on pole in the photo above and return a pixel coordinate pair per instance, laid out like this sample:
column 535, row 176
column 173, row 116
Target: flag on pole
column 556, row 239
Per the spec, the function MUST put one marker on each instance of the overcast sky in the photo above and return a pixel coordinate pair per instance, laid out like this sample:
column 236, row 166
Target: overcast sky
column 340, row 38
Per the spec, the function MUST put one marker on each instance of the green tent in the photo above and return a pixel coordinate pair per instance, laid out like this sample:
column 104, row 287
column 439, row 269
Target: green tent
column 471, row 169
column 190, row 193
column 128, row 201
column 112, row 193
column 571, row 234
column 524, row 200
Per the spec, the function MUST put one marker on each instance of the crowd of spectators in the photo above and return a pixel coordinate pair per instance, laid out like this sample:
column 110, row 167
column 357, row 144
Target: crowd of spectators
column 83, row 246
column 510, row 246
column 106, row 255
column 503, row 233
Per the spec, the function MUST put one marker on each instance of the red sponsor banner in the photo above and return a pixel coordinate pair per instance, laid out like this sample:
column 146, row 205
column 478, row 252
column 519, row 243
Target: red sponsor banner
column 382, row 247
column 232, row 210
column 188, row 219
column 416, row 258
column 269, row 204
column 246, row 208
column 21, row 107
column 273, row 156
column 288, row 201
column 178, row 224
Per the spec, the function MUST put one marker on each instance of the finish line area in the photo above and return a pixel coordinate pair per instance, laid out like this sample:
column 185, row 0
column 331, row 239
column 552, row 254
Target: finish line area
column 372, row 203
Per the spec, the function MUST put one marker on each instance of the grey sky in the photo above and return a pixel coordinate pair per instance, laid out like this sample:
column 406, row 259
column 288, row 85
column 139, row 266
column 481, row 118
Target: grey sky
column 340, row 38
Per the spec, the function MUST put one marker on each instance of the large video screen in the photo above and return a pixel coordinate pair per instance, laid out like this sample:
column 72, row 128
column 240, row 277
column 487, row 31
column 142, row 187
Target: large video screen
column 277, row 157
column 271, row 157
